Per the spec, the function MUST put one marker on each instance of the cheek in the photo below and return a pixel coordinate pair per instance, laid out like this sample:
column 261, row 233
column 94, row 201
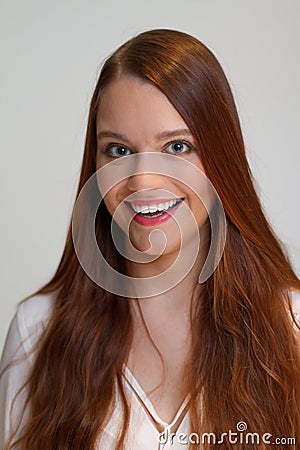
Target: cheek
column 119, row 211
column 201, row 196
column 199, row 211
column 110, row 201
column 113, row 194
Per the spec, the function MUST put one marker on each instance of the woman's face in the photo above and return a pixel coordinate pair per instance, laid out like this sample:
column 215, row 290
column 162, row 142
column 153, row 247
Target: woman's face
column 135, row 117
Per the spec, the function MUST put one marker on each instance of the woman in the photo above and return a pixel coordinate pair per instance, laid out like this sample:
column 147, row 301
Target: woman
column 122, row 356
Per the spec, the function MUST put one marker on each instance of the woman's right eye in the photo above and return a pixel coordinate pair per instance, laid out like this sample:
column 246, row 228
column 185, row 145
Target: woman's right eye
column 116, row 150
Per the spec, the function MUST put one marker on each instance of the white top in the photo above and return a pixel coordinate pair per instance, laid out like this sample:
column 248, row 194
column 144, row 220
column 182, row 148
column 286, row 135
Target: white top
column 24, row 332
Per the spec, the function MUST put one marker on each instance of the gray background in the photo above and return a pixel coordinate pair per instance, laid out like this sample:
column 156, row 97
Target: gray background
column 51, row 52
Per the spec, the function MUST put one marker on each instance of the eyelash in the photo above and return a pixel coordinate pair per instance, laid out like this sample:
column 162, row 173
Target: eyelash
column 109, row 147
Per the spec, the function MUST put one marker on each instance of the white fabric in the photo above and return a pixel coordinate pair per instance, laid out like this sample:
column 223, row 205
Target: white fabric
column 24, row 332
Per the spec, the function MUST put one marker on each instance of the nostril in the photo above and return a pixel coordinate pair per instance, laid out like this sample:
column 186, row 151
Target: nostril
column 144, row 180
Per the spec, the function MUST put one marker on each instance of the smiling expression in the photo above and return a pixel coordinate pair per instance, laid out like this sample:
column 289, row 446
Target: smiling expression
column 134, row 117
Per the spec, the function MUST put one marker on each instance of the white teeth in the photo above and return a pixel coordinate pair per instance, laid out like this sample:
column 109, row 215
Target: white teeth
column 143, row 209
column 146, row 209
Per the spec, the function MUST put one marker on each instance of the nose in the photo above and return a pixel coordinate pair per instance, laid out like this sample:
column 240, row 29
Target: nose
column 146, row 173
column 145, row 180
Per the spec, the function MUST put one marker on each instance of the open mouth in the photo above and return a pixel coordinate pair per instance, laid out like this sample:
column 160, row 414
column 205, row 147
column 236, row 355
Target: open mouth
column 156, row 209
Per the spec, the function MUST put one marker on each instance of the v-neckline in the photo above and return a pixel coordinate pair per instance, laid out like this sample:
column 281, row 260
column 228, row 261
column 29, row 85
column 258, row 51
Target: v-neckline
column 148, row 406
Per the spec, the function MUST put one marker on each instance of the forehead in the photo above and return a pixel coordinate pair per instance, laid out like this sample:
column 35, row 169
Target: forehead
column 133, row 106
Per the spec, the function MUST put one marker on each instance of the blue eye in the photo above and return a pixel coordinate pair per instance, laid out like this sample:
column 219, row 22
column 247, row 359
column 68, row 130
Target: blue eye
column 178, row 147
column 117, row 151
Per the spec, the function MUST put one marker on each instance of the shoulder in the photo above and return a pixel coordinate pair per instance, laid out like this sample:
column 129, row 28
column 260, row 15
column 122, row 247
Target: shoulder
column 27, row 325
column 24, row 332
column 32, row 317
column 35, row 311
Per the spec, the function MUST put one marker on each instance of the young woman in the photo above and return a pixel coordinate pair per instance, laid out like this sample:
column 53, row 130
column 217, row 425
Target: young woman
column 144, row 352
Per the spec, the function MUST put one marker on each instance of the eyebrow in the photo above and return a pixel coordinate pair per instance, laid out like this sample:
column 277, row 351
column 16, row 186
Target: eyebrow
column 173, row 133
column 167, row 134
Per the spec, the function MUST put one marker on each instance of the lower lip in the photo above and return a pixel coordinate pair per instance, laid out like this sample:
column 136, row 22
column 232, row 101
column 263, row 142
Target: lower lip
column 150, row 221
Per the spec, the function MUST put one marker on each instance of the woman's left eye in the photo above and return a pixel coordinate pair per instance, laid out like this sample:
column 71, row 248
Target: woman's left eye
column 178, row 147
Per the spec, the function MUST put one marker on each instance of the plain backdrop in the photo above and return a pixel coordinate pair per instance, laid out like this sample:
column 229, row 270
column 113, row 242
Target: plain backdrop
column 51, row 52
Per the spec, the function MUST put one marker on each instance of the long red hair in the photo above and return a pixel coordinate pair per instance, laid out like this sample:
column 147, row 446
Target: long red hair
column 244, row 363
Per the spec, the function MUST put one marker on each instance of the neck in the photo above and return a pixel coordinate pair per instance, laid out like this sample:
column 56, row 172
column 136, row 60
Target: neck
column 177, row 300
